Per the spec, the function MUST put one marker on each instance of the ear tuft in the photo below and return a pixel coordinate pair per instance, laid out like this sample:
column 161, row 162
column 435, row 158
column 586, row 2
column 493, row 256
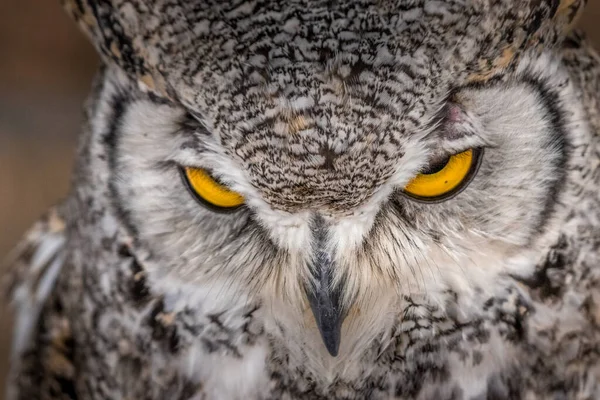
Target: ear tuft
column 541, row 24
column 568, row 13
column 113, row 32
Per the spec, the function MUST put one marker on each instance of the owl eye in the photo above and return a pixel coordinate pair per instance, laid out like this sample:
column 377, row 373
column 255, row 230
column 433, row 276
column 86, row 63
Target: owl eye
column 446, row 177
column 210, row 192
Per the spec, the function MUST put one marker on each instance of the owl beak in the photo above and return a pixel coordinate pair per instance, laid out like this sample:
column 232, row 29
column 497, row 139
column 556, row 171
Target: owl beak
column 325, row 304
column 325, row 297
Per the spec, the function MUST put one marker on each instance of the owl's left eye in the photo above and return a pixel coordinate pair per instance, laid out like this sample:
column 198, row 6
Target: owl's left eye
column 209, row 191
column 445, row 177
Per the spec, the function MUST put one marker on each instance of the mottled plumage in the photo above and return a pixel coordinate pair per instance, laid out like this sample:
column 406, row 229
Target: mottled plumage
column 319, row 113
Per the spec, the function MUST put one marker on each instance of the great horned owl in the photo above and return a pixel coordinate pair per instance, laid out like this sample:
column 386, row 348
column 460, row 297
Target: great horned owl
column 359, row 199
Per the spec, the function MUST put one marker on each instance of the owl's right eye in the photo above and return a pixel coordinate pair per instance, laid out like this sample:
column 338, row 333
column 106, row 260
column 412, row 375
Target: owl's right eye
column 209, row 191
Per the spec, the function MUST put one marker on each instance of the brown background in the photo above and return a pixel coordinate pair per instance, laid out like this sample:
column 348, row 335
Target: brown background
column 45, row 71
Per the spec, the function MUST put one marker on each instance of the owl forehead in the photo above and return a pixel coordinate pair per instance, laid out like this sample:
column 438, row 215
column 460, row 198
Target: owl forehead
column 325, row 137
column 318, row 105
column 271, row 59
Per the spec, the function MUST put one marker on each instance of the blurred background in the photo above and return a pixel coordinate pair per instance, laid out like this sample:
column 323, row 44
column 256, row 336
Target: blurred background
column 46, row 67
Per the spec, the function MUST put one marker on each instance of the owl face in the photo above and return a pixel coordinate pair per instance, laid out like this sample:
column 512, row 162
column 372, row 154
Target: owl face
column 329, row 164
column 377, row 236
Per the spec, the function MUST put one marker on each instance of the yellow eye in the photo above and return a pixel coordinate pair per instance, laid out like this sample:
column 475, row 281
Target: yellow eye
column 209, row 191
column 446, row 180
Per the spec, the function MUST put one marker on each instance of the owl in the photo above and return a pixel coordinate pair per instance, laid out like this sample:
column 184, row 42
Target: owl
column 310, row 199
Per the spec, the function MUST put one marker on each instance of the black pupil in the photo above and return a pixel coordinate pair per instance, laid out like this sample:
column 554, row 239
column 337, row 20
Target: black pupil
column 436, row 165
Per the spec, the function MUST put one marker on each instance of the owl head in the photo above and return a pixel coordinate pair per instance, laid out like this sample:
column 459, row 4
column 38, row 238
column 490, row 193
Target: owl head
column 329, row 159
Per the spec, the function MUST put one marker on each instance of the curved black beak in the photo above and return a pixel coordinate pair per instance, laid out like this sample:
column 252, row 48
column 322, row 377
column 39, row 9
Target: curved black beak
column 324, row 298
